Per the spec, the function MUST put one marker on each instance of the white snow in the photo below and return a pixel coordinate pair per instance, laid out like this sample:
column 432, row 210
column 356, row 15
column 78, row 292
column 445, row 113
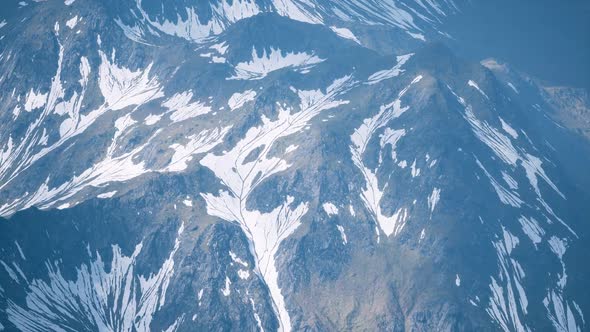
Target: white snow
column 239, row 99
column 291, row 148
column 418, row 36
column 415, row 171
column 433, row 200
column 256, row 316
column 217, row 59
column 342, row 234
column 531, row 227
column 71, row 23
column 265, row 231
column 220, row 48
column 226, row 291
column 432, row 163
column 510, row 181
column 260, row 66
column 330, row 209
column 476, row 87
column 368, row 12
column 297, row 11
column 391, row 137
column 508, row 129
column 181, row 107
column 558, row 309
column 499, row 143
column 345, row 33
column 243, row 274
column 122, row 87
column 10, row 272
column 560, row 312
column 503, row 147
column 196, row 144
column 508, row 295
column 506, row 196
column 20, row 250
column 35, row 100
column 107, row 194
column 512, row 87
column 237, row 259
column 136, row 33
column 372, row 195
column 187, row 202
column 87, row 296
column 390, row 73
column 223, row 13
column 152, row 119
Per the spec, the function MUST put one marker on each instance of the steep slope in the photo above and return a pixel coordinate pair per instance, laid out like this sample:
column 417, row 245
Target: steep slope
column 253, row 168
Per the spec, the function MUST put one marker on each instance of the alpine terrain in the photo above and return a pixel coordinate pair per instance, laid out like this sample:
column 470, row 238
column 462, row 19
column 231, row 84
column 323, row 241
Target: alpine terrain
column 283, row 165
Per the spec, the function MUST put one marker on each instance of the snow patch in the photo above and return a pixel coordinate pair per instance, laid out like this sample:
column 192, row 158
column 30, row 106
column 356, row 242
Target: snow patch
column 243, row 274
column 476, row 87
column 512, row 87
column 345, row 33
column 260, row 66
column 223, row 13
column 181, row 107
column 509, row 130
column 342, row 234
column 196, row 144
column 71, row 23
column 531, row 227
column 433, row 200
column 87, row 298
column 508, row 298
column 415, row 171
column 238, row 99
column 152, row 119
column 240, row 176
column 226, row 291
column 373, row 193
column 330, row 209
column 510, row 181
column 35, row 100
column 390, row 73
column 107, row 194
column 237, row 259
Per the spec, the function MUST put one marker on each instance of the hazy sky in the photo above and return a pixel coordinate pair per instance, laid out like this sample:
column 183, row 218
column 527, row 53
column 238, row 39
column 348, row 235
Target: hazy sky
column 549, row 39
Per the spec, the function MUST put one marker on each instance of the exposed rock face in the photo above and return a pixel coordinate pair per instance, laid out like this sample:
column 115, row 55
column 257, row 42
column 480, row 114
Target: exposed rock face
column 281, row 165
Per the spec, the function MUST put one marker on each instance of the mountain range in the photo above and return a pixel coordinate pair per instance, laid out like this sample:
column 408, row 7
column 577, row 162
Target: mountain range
column 283, row 165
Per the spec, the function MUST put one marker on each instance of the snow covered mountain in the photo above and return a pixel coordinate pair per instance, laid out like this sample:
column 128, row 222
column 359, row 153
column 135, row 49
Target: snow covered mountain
column 281, row 165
